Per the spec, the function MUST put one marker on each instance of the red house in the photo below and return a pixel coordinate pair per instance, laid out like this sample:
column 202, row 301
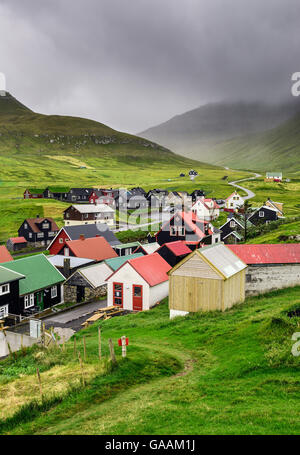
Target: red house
column 95, row 248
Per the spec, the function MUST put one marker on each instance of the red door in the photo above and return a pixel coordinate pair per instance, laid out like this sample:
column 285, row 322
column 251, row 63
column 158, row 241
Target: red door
column 118, row 294
column 137, row 297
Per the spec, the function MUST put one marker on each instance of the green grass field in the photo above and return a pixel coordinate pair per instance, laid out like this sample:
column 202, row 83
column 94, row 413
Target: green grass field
column 207, row 373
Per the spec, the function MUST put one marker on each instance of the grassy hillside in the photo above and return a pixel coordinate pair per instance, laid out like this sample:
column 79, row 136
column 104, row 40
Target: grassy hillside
column 208, row 373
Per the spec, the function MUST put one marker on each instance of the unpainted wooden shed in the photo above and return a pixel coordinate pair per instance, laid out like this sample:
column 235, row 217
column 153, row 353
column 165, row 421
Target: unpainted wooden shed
column 210, row 278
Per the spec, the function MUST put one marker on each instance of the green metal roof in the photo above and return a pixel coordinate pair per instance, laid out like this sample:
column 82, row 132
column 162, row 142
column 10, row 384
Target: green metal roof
column 6, row 275
column 39, row 273
column 126, row 245
column 115, row 263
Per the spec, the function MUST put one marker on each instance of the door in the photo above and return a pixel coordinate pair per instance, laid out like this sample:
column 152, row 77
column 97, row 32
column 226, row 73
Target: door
column 137, row 297
column 118, row 294
column 40, row 300
column 80, row 294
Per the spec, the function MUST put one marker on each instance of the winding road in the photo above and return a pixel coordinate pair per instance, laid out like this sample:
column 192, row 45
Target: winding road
column 250, row 193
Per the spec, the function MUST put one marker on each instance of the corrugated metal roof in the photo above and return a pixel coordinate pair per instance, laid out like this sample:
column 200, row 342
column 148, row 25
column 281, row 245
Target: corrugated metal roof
column 179, row 248
column 6, row 275
column 222, row 259
column 5, row 255
column 58, row 261
column 152, row 267
column 268, row 253
column 116, row 263
column 150, row 247
column 96, row 274
column 127, row 245
column 92, row 208
column 96, row 248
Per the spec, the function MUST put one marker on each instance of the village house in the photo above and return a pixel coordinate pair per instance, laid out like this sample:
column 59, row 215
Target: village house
column 139, row 283
column 95, row 248
column 9, row 292
column 87, row 230
column 187, row 226
column 16, row 243
column 97, row 197
column 196, row 194
column 278, row 206
column 40, row 286
column 233, row 230
column 273, row 177
column 234, row 201
column 263, row 215
column 174, row 252
column 209, row 279
column 79, row 195
column 116, row 263
column 5, row 255
column 206, row 209
column 89, row 214
column 59, row 193
column 88, row 283
column 270, row 266
column 33, row 193
column 67, row 265
column 38, row 231
column 123, row 249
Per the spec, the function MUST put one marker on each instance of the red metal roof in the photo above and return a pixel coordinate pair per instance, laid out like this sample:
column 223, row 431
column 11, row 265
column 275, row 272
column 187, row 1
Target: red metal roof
column 152, row 267
column 268, row 253
column 178, row 248
column 5, row 255
column 96, row 248
column 18, row 240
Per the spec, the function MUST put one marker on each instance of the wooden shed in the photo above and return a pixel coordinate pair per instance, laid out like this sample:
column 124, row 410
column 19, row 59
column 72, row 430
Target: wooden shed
column 210, row 278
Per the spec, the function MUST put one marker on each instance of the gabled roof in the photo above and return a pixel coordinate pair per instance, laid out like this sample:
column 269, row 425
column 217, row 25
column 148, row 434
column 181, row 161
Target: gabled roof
column 205, row 202
column 58, row 261
column 92, row 208
column 235, row 234
column 150, row 248
column 38, row 271
column 178, row 248
column 152, row 268
column 7, row 276
column 32, row 222
column 95, row 275
column 268, row 253
column 5, row 255
column 96, row 248
column 91, row 230
column 190, row 219
column 235, row 193
column 16, row 240
column 121, row 246
column 116, row 263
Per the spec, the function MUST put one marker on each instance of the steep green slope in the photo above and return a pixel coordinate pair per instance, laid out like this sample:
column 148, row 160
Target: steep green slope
column 207, row 373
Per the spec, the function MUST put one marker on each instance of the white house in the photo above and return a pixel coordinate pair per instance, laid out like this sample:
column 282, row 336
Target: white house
column 139, row 283
column 81, row 214
column 234, row 201
column 206, row 209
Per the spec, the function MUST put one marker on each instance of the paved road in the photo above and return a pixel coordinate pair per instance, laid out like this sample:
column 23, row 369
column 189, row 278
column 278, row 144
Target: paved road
column 250, row 193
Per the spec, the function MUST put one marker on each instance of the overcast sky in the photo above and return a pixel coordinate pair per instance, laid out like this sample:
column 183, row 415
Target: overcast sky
column 135, row 63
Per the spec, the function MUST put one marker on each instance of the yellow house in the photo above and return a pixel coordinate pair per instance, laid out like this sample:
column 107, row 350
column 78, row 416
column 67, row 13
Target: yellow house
column 210, row 278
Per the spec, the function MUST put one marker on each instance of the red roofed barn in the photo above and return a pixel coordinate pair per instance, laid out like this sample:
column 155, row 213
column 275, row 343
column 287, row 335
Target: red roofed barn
column 139, row 283
column 96, row 248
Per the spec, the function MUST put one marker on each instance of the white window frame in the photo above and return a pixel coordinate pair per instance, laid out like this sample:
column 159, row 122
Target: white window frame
column 28, row 301
column 232, row 224
column 45, row 226
column 3, row 292
column 53, row 292
column 40, row 235
column 25, row 226
column 30, row 235
column 3, row 311
column 173, row 230
column 61, row 240
column 261, row 214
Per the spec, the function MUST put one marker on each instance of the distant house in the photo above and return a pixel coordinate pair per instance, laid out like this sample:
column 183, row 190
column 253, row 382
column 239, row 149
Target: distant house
column 181, row 174
column 157, row 197
column 174, row 252
column 211, row 278
column 206, row 209
column 270, row 267
column 139, row 283
column 95, row 248
column 123, row 249
column 87, row 230
column 41, row 287
column 278, row 206
column 87, row 283
column 147, row 248
column 263, row 215
column 38, row 231
column 196, row 194
column 89, row 214
column 5, row 255
column 234, row 229
column 138, row 191
column 79, row 194
column 33, row 193
column 16, row 243
column 59, row 193
column 234, row 201
column 273, row 177
column 97, row 197
column 187, row 226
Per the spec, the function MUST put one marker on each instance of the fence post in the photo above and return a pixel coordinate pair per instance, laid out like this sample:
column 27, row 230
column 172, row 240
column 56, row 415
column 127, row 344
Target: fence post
column 123, row 338
column 81, row 367
column 40, row 382
column 84, row 349
column 112, row 351
column 99, row 342
column 74, row 345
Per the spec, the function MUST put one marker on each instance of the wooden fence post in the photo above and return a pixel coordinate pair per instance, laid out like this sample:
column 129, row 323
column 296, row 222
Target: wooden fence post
column 40, row 382
column 112, row 351
column 64, row 347
column 84, row 349
column 99, row 342
column 81, row 367
column 74, row 345
column 123, row 338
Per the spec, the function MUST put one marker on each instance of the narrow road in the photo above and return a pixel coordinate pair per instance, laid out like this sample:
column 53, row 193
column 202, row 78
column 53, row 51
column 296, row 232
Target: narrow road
column 250, row 193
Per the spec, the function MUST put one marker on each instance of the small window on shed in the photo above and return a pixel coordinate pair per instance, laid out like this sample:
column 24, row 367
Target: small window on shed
column 261, row 214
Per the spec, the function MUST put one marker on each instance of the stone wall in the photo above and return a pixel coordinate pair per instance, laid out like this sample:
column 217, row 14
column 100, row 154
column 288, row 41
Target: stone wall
column 70, row 293
column 265, row 278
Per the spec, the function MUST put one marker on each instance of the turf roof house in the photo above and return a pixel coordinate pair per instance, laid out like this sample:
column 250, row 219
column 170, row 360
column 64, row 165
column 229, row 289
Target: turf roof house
column 89, row 214
column 278, row 206
column 139, row 283
column 42, row 286
column 187, row 226
column 233, row 230
column 95, row 248
column 16, row 243
column 209, row 279
column 38, row 231
column 9, row 292
column 270, row 267
column 67, row 233
column 33, row 193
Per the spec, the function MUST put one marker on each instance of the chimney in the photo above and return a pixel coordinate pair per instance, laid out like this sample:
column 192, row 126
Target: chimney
column 38, row 216
column 67, row 268
column 81, row 237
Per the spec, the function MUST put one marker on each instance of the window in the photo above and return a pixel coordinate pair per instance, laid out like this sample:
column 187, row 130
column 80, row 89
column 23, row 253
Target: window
column 4, row 289
column 28, row 301
column 25, row 225
column 40, row 235
column 261, row 214
column 30, row 235
column 66, row 252
column 50, row 234
column 232, row 224
column 173, row 230
column 86, row 215
column 61, row 240
column 46, row 226
column 53, row 292
column 3, row 311
column 181, row 230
